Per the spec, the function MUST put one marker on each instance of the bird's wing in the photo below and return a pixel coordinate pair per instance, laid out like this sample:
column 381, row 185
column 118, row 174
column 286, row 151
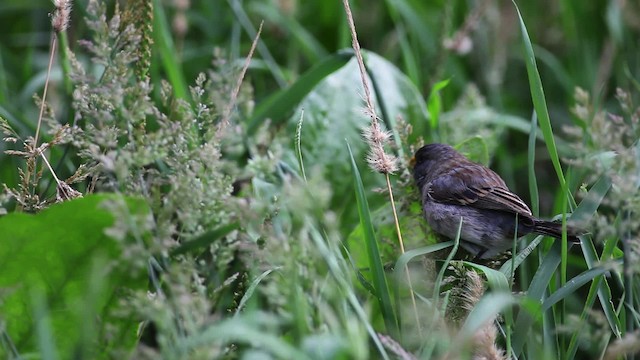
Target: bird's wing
column 477, row 186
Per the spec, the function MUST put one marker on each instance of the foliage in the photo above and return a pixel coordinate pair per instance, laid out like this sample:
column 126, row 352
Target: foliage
column 241, row 222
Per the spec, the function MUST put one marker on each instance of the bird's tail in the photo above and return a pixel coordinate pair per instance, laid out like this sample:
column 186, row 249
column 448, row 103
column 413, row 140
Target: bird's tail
column 554, row 229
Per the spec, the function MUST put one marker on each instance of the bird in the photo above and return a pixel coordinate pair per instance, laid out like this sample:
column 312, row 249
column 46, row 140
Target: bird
column 453, row 187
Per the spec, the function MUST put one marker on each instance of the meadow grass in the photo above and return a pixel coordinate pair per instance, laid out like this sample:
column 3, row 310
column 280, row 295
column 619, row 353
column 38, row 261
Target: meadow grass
column 206, row 185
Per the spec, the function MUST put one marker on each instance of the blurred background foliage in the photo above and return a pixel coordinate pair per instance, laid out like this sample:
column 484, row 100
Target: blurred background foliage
column 591, row 45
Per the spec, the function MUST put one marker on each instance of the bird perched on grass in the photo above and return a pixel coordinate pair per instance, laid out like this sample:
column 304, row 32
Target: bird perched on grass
column 454, row 187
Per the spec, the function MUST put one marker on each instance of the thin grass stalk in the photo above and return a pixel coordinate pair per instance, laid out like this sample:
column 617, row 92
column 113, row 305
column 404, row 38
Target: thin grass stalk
column 387, row 164
column 406, row 268
column 272, row 65
column 54, row 42
column 299, row 146
column 226, row 115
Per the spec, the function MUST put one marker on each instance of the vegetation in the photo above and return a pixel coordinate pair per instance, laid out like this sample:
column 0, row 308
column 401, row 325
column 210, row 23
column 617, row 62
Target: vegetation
column 213, row 180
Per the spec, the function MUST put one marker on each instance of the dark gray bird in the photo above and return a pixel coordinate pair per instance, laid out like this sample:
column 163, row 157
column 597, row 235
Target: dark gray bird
column 453, row 187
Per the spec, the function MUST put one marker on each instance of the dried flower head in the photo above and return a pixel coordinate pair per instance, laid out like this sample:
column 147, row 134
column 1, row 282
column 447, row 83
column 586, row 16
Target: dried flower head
column 484, row 339
column 377, row 158
column 376, row 136
column 61, row 15
column 382, row 162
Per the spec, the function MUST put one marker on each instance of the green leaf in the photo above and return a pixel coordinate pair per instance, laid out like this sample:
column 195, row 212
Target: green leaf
column 65, row 255
column 333, row 111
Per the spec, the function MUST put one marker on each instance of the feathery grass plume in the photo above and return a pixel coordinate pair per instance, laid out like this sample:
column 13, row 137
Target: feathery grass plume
column 139, row 13
column 377, row 158
column 483, row 342
column 627, row 345
column 607, row 144
column 61, row 15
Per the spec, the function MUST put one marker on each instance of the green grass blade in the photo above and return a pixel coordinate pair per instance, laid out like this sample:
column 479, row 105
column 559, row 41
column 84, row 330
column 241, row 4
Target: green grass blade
column 434, row 103
column 536, row 292
column 571, row 286
column 531, row 155
column 285, row 100
column 509, row 266
column 333, row 261
column 375, row 263
column 438, row 281
column 583, row 212
column 263, row 50
column 205, row 239
column 541, row 279
column 245, row 329
column 307, row 43
column 539, row 102
column 405, row 258
column 164, row 42
column 252, row 288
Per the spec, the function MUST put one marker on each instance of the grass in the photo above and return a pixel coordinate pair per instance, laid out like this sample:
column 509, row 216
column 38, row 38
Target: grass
column 224, row 177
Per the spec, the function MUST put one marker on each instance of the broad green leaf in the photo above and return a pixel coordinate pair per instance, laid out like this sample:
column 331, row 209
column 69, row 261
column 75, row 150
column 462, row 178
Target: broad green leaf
column 279, row 106
column 334, row 111
column 475, row 148
column 64, row 256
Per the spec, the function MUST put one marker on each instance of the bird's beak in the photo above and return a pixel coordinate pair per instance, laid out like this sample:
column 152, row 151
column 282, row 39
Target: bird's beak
column 412, row 162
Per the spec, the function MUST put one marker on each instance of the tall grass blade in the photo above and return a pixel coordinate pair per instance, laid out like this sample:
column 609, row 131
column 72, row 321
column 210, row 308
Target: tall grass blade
column 170, row 62
column 531, row 160
column 405, row 258
column 373, row 254
column 571, row 286
column 333, row 261
column 438, row 281
column 539, row 102
column 536, row 292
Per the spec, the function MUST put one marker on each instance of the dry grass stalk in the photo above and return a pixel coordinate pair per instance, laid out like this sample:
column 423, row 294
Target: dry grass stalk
column 377, row 158
column 226, row 115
